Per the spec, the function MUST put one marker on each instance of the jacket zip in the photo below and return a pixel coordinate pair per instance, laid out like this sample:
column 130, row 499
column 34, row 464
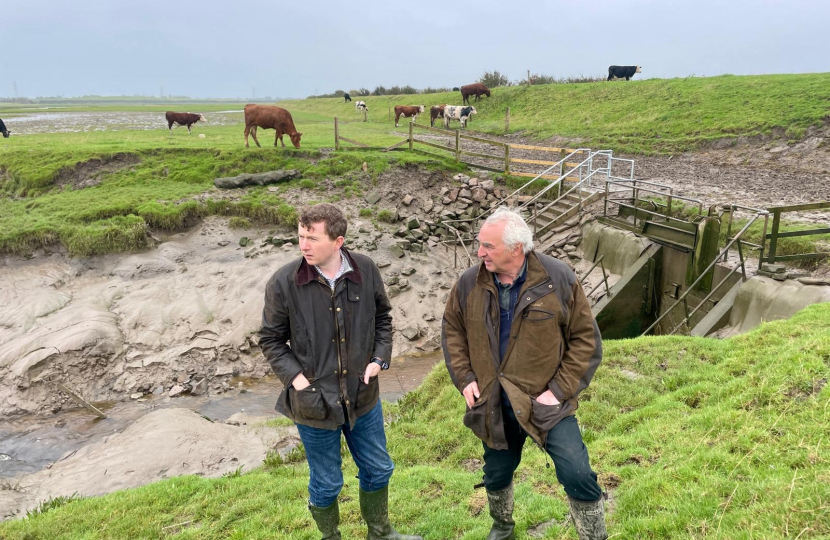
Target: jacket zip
column 337, row 346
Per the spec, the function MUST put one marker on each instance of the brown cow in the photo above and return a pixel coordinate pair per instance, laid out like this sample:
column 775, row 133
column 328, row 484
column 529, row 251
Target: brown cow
column 269, row 117
column 182, row 119
column 407, row 111
column 436, row 111
column 475, row 89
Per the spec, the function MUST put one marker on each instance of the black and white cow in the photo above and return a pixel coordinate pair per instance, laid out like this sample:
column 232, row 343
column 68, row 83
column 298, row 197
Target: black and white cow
column 619, row 72
column 458, row 112
column 360, row 106
column 3, row 130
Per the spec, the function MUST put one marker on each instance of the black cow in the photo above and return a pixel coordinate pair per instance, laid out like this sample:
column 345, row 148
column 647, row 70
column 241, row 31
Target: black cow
column 622, row 71
column 347, row 97
column 3, row 130
column 455, row 89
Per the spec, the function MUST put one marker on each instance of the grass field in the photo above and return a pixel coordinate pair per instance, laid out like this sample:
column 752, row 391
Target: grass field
column 649, row 116
column 695, row 438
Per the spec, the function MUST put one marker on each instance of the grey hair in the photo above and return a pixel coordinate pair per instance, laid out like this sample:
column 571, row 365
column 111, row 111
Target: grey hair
column 516, row 230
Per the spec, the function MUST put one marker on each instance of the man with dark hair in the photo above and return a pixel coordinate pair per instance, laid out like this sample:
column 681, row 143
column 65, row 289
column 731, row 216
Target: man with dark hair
column 520, row 344
column 330, row 305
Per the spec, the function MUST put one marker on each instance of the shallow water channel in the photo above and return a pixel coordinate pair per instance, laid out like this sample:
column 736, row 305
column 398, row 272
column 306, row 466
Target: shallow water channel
column 31, row 443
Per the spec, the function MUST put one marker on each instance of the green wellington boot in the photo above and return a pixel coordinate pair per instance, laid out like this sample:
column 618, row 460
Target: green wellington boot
column 501, row 510
column 327, row 520
column 589, row 519
column 374, row 506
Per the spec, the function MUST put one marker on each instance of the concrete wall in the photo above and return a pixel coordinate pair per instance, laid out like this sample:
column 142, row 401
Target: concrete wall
column 620, row 248
column 763, row 299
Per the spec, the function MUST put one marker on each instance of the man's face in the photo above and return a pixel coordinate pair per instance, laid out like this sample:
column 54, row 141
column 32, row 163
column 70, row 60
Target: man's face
column 493, row 252
column 316, row 246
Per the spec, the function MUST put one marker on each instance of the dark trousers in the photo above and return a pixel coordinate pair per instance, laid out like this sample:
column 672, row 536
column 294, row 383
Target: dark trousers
column 565, row 447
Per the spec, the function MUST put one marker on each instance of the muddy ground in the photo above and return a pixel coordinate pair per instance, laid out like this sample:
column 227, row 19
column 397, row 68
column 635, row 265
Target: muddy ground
column 76, row 122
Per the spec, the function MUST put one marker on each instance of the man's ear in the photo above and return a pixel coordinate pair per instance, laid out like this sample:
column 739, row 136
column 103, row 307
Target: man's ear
column 339, row 242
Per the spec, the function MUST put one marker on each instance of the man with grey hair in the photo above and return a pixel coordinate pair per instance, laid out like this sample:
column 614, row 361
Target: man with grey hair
column 520, row 344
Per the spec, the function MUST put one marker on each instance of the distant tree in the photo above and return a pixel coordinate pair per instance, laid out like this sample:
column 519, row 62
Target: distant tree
column 379, row 91
column 492, row 79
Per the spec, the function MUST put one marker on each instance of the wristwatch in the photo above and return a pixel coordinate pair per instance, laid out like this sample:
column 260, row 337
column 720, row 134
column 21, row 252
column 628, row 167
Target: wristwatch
column 384, row 365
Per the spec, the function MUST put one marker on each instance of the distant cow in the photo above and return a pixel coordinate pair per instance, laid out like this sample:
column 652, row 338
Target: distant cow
column 360, row 106
column 619, row 72
column 475, row 89
column 458, row 112
column 407, row 111
column 183, row 119
column 436, row 111
column 269, row 117
column 3, row 130
column 455, row 89
column 347, row 97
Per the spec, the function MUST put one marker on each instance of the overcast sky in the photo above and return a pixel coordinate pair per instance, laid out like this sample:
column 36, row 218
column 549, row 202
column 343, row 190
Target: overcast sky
column 211, row 48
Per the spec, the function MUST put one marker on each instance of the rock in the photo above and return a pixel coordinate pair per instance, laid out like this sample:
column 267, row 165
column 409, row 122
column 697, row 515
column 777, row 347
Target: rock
column 428, row 205
column 365, row 166
column 383, row 263
column 473, row 182
column 410, row 333
column 487, row 185
column 446, row 200
column 429, row 317
column 466, row 193
column 243, row 241
column 402, row 232
column 453, row 194
column 460, row 176
column 199, row 387
column 569, row 248
column 417, row 234
column 273, row 189
column 774, row 268
column 408, row 271
column 479, row 194
column 373, row 197
column 416, row 248
column 138, row 395
column 778, row 149
column 224, row 370
column 256, row 179
column 176, row 390
column 405, row 244
column 158, row 390
column 574, row 240
column 224, row 243
column 407, row 200
column 396, row 251
column 288, row 246
column 414, row 223
column 251, row 253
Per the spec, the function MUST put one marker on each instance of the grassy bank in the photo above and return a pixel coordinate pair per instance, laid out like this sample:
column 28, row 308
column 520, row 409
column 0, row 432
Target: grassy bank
column 155, row 176
column 646, row 116
column 694, row 438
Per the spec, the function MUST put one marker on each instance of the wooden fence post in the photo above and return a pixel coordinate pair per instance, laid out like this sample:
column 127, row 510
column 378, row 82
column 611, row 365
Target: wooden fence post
column 336, row 135
column 389, row 114
column 410, row 136
column 457, row 145
column 506, row 159
column 507, row 122
column 365, row 115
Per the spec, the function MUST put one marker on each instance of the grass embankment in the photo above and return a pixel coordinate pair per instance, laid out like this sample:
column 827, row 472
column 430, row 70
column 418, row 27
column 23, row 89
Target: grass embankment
column 154, row 192
column 638, row 116
column 696, row 438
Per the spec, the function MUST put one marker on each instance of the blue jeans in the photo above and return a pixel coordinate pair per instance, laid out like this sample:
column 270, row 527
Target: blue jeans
column 367, row 443
column 564, row 445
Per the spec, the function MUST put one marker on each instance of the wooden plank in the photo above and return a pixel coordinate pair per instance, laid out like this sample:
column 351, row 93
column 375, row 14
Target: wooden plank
column 800, row 233
column 82, row 401
column 802, row 256
column 479, row 139
column 543, row 148
column 396, row 145
column 798, row 207
column 533, row 161
column 438, row 146
column 547, row 176
column 354, row 142
column 477, row 166
column 485, row 156
column 446, row 132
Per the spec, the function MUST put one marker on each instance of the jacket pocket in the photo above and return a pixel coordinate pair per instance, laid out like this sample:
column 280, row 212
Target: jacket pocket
column 476, row 419
column 308, row 403
column 544, row 417
column 367, row 394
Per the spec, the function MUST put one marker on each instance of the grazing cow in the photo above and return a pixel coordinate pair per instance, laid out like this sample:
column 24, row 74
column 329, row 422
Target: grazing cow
column 458, row 112
column 407, row 111
column 347, row 97
column 475, row 89
column 360, row 106
column 182, row 119
column 436, row 111
column 3, row 130
column 269, row 117
column 622, row 71
column 455, row 89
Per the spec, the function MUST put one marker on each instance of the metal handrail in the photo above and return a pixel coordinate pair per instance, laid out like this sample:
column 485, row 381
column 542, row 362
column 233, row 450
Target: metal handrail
column 691, row 287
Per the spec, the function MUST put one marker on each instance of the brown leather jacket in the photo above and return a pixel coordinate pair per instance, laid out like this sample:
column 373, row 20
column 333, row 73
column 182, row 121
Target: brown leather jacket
column 333, row 335
column 554, row 344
